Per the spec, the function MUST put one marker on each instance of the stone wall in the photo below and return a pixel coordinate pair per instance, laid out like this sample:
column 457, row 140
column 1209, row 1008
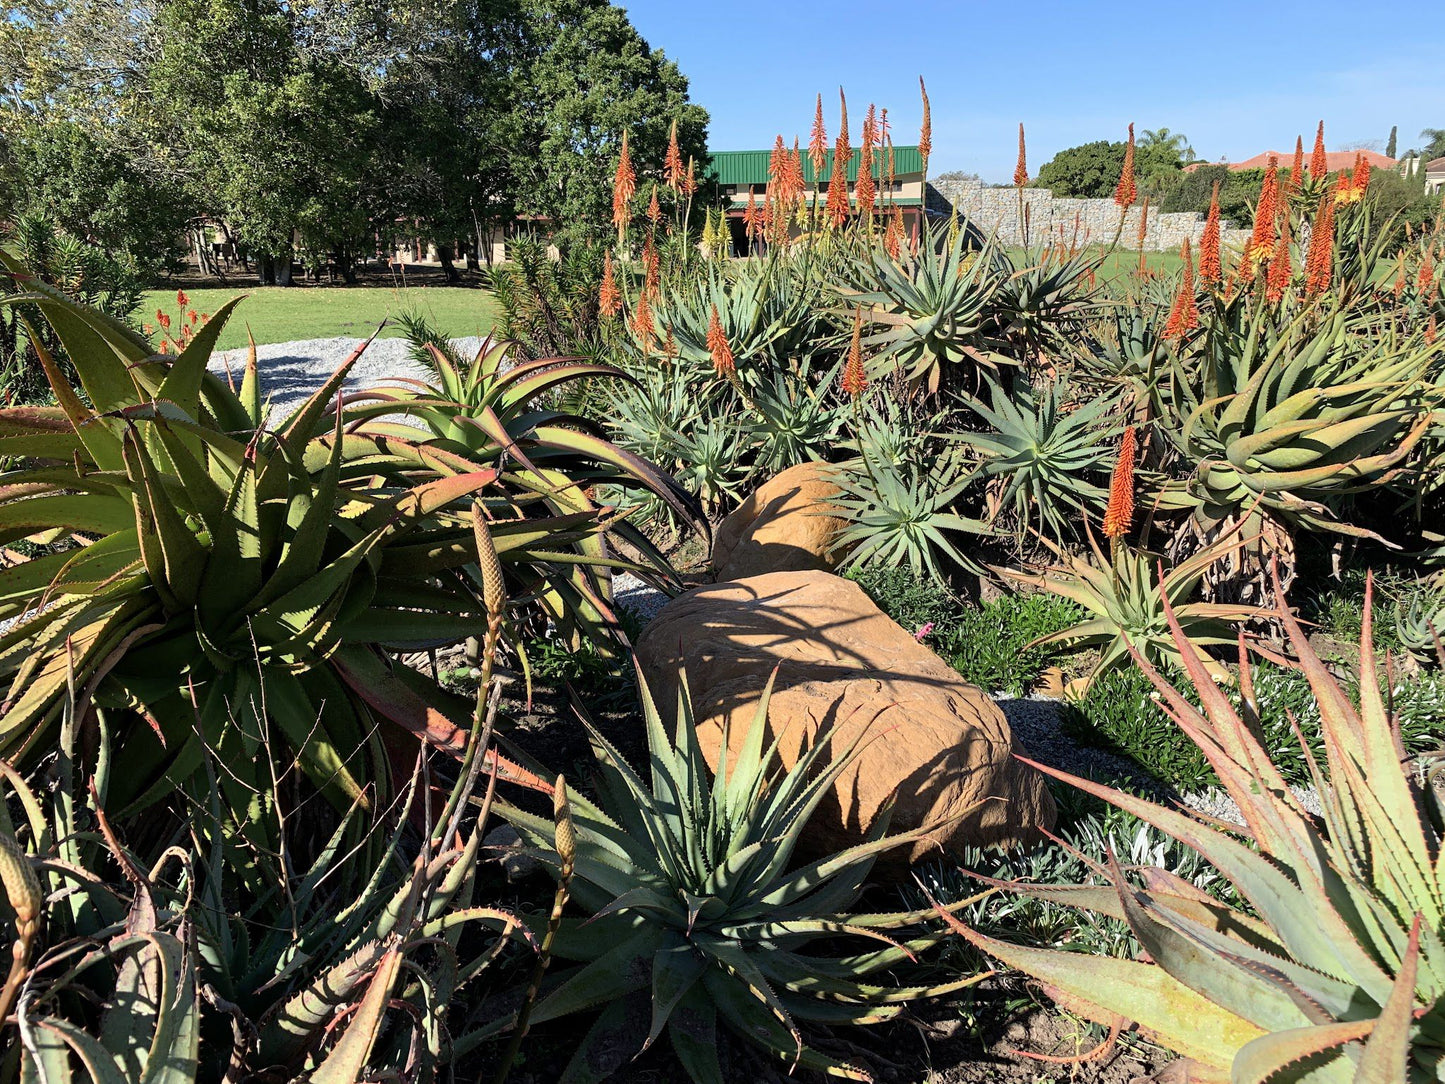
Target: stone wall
column 1052, row 219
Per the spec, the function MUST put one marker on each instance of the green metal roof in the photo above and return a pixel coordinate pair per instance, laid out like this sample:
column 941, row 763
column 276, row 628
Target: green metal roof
column 751, row 167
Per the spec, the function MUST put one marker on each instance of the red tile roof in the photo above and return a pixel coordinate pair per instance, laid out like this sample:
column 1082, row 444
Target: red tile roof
column 1335, row 161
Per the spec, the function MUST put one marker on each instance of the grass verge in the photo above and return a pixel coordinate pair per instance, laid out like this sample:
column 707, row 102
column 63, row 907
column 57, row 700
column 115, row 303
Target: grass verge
column 286, row 314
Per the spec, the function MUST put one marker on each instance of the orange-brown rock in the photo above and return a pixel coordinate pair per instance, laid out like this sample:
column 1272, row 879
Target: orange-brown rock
column 785, row 525
column 934, row 742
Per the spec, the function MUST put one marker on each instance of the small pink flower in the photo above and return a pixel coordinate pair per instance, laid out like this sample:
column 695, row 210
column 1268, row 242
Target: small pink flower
column 923, row 631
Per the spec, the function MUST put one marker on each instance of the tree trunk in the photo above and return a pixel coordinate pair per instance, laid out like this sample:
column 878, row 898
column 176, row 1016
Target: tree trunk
column 265, row 270
column 444, row 255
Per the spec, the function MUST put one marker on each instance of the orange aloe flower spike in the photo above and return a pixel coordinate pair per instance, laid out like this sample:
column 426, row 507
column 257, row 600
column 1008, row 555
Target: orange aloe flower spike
column 1126, row 191
column 717, row 346
column 609, row 298
column 1211, row 266
column 925, row 132
column 1120, row 512
column 855, row 377
column 624, row 187
column 1319, row 161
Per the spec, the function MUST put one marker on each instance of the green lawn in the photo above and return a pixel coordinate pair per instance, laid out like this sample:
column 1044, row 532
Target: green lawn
column 277, row 315
column 1125, row 261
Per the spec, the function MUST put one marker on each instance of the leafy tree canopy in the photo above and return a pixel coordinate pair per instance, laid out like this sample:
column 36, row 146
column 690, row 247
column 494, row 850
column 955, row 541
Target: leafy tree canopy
column 1091, row 171
column 332, row 124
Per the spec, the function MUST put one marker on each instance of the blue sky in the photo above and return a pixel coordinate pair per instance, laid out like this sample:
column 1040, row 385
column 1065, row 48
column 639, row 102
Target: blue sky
column 1236, row 78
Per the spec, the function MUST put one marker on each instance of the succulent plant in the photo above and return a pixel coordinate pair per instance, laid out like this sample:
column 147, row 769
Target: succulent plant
column 493, row 408
column 1129, row 595
column 697, row 915
column 905, row 514
column 1278, row 424
column 930, row 309
column 1420, row 618
column 790, row 416
column 1040, row 452
column 1334, row 972
column 343, row 967
column 207, row 575
column 1047, row 302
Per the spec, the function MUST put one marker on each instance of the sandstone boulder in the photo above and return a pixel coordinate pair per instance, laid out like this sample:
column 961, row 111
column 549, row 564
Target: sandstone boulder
column 933, row 741
column 787, row 524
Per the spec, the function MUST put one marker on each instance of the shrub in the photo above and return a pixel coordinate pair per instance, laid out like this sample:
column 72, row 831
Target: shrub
column 912, row 601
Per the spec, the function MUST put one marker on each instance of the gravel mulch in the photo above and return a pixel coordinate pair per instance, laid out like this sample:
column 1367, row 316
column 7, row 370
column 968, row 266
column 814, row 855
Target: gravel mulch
column 292, row 371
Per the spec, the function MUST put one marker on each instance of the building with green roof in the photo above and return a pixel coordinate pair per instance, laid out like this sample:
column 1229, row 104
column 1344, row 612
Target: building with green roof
column 741, row 173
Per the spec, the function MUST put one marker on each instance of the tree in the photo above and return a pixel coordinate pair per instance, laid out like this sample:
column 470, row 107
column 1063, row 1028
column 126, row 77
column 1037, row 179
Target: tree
column 1238, row 192
column 92, row 191
column 1159, row 143
column 1089, row 171
column 579, row 78
column 276, row 140
column 1391, row 145
column 1435, row 147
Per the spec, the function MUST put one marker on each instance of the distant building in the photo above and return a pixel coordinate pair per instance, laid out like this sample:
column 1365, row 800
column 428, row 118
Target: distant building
column 738, row 172
column 1435, row 176
column 1335, row 161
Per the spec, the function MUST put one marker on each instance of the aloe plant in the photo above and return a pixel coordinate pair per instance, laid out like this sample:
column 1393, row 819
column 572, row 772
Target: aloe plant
column 905, row 514
column 1041, row 454
column 1278, row 425
column 142, row 953
column 1335, row 970
column 696, row 915
column 208, row 576
column 1128, row 596
column 1420, row 619
column 930, row 309
column 493, row 407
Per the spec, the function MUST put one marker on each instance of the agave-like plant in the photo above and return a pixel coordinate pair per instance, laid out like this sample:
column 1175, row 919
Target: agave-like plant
column 306, row 978
column 1280, row 424
column 905, row 513
column 1048, row 300
column 791, row 418
column 1336, row 970
column 1420, row 618
column 1041, row 453
column 697, row 916
column 1129, row 595
column 930, row 308
column 204, row 575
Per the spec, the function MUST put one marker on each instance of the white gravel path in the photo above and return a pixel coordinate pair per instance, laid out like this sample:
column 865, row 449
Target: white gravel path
column 292, row 371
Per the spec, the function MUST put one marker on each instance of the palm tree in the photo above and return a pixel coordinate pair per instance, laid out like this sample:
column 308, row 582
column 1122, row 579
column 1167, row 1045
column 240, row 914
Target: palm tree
column 1177, row 142
column 1436, row 147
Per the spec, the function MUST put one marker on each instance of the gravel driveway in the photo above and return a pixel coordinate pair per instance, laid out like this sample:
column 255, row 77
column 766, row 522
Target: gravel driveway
column 292, row 371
